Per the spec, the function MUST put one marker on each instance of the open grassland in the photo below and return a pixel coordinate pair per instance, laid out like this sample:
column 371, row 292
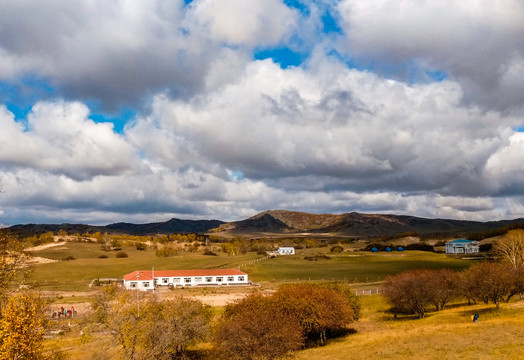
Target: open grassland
column 448, row 334
column 348, row 266
column 354, row 267
column 75, row 275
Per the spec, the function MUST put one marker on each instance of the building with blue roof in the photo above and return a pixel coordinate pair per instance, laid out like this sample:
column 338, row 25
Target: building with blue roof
column 462, row 246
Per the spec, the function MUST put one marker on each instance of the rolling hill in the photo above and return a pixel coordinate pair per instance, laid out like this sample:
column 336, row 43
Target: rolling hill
column 284, row 222
column 354, row 224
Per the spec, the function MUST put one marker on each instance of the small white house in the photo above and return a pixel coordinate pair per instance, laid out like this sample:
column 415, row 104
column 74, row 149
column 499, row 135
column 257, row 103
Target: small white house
column 145, row 280
column 286, row 250
column 462, row 246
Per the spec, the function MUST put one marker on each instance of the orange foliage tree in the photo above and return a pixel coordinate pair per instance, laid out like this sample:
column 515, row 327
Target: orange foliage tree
column 23, row 323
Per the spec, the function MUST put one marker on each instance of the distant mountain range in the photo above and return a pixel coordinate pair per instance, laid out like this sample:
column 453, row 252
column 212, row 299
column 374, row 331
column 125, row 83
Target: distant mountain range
column 167, row 227
column 286, row 222
column 354, row 224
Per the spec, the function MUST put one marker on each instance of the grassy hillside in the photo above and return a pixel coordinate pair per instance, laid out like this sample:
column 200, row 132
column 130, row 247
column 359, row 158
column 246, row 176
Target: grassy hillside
column 449, row 334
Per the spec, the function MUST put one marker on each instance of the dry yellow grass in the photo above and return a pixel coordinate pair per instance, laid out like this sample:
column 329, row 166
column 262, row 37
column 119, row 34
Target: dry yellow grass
column 449, row 334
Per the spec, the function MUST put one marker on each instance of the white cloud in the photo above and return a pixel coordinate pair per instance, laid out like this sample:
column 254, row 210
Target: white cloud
column 478, row 43
column 245, row 22
column 60, row 138
column 346, row 128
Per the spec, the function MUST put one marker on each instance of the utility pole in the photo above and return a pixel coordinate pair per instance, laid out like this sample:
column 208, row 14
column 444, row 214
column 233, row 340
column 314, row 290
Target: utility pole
column 137, row 301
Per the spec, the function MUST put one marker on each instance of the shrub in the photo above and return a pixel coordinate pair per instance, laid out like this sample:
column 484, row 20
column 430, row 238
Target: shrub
column 121, row 254
column 485, row 247
column 317, row 257
column 103, row 256
column 254, row 328
column 69, row 257
column 488, row 281
column 422, row 246
column 166, row 251
column 349, row 294
column 318, row 309
column 140, row 245
column 336, row 249
column 407, row 293
column 210, row 253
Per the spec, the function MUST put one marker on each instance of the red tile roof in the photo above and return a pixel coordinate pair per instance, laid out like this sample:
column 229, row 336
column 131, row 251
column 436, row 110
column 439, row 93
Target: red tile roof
column 145, row 275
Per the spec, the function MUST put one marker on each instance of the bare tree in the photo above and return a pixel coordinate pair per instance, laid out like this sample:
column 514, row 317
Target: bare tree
column 511, row 247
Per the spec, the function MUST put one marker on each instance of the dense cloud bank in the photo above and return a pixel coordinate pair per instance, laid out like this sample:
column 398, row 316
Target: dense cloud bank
column 362, row 124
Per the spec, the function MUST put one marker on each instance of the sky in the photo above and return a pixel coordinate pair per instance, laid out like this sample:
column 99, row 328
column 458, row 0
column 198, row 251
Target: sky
column 145, row 110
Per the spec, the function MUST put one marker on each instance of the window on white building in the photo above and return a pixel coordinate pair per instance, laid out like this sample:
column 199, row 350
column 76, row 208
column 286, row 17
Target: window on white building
column 240, row 278
column 230, row 278
column 187, row 280
column 220, row 279
column 209, row 279
column 198, row 279
column 145, row 284
column 176, row 280
column 164, row 280
column 133, row 284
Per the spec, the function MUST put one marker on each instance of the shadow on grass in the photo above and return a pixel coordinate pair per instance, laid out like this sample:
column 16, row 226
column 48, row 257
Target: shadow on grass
column 313, row 340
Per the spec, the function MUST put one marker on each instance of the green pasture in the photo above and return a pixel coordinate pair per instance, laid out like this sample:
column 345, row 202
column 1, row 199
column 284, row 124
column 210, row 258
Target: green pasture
column 75, row 275
column 349, row 266
column 354, row 267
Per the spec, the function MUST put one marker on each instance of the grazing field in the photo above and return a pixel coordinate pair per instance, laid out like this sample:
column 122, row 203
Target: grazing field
column 348, row 266
column 448, row 334
column 75, row 275
column 354, row 267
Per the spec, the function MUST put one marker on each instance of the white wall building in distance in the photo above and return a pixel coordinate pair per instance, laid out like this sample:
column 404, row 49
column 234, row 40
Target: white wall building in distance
column 462, row 246
column 286, row 250
column 146, row 279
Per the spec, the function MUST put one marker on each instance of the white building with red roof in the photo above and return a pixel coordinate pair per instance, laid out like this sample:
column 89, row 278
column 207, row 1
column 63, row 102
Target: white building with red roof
column 146, row 279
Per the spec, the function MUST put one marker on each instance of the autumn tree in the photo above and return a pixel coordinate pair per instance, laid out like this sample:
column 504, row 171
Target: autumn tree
column 148, row 329
column 511, row 247
column 23, row 323
column 348, row 294
column 443, row 285
column 407, row 293
column 255, row 328
column 518, row 282
column 11, row 260
column 489, row 281
column 169, row 327
column 318, row 309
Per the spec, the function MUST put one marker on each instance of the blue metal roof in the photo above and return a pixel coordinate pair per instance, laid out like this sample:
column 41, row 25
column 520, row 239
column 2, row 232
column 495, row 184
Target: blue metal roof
column 459, row 241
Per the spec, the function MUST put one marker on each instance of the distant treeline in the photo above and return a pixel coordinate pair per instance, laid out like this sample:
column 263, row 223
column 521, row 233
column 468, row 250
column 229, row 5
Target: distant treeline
column 495, row 232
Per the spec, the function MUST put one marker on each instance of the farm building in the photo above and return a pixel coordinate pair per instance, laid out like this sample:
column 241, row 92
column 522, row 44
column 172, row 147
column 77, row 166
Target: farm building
column 462, row 246
column 286, row 250
column 146, row 279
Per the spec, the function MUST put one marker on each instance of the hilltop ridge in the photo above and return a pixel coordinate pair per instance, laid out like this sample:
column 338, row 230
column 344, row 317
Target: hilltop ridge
column 286, row 222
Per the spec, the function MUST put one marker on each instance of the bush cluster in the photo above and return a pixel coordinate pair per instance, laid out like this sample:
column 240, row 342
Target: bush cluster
column 269, row 327
column 411, row 292
column 166, row 251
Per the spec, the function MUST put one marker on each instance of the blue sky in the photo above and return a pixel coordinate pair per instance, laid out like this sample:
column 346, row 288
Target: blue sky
column 146, row 110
